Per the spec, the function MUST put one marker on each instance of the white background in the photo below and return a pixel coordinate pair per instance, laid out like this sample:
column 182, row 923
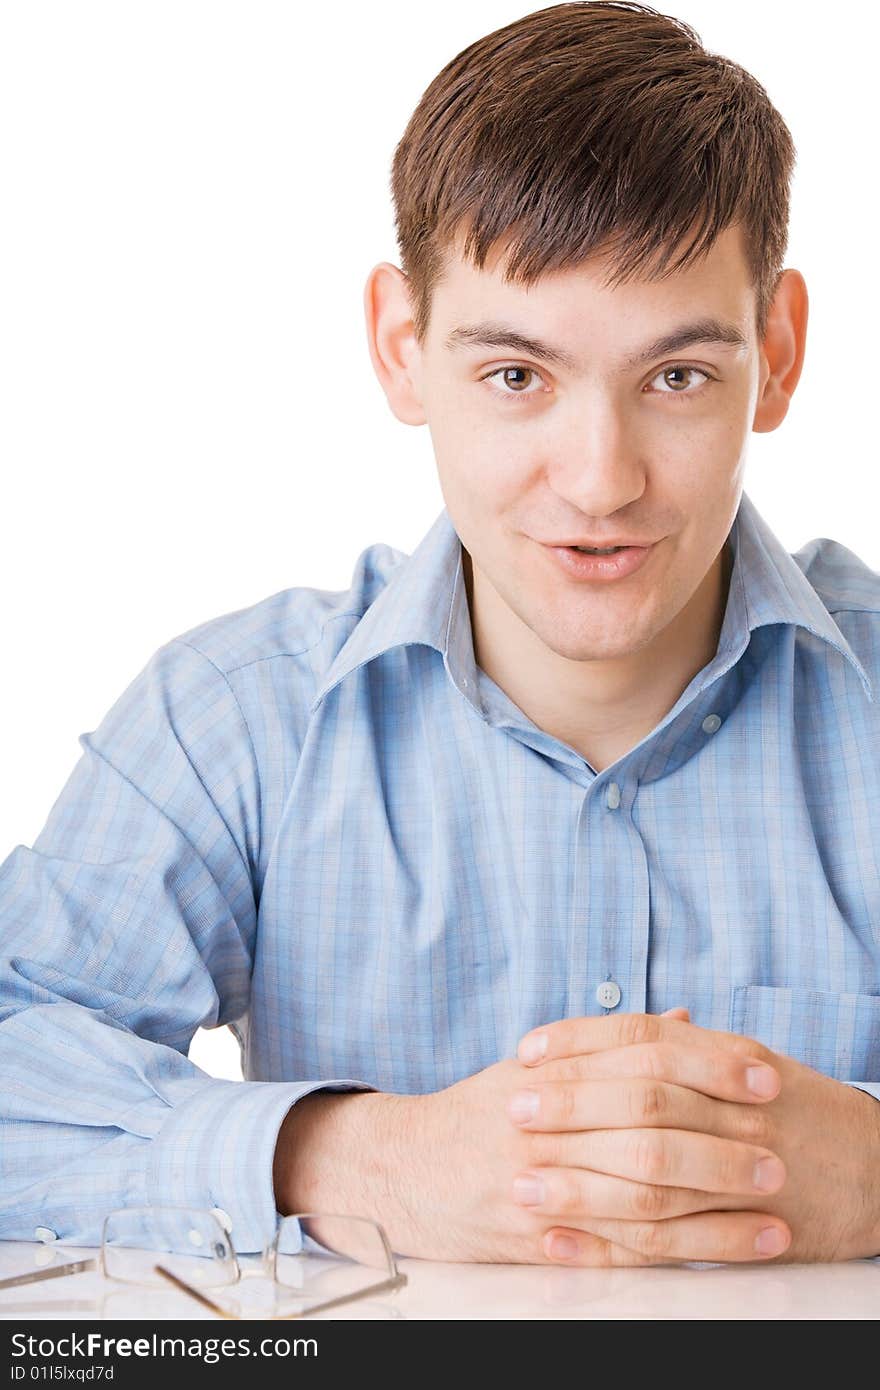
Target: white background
column 194, row 194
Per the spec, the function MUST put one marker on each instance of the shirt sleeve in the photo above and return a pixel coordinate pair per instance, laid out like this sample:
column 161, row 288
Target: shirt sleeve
column 128, row 924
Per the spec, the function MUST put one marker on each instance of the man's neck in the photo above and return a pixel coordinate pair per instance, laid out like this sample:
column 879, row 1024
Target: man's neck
column 601, row 714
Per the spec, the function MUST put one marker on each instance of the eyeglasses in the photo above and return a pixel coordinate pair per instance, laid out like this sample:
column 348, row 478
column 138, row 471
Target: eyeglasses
column 314, row 1261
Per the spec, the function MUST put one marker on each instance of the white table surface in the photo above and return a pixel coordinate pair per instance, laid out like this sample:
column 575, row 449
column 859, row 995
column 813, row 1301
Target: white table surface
column 483, row 1291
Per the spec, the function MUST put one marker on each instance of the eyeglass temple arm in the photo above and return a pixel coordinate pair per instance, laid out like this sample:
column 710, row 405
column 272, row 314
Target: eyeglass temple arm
column 197, row 1294
column 396, row 1281
column 55, row 1272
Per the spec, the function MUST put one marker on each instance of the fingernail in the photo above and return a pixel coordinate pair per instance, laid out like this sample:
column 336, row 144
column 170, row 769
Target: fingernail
column 562, row 1247
column 528, row 1190
column 771, row 1241
column 769, row 1174
column 532, row 1049
column 763, row 1081
column 523, row 1106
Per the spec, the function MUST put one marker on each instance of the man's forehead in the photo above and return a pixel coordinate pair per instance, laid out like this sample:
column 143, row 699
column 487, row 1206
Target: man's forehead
column 717, row 285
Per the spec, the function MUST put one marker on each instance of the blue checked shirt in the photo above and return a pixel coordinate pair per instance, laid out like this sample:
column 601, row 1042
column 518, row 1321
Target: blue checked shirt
column 316, row 820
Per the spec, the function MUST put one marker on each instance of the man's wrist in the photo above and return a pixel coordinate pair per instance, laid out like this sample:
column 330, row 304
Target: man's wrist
column 347, row 1153
column 867, row 1225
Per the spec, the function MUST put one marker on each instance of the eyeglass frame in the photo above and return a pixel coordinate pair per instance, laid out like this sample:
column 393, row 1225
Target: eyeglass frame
column 268, row 1265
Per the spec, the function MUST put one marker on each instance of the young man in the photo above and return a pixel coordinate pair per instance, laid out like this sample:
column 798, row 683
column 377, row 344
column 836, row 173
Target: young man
column 498, row 792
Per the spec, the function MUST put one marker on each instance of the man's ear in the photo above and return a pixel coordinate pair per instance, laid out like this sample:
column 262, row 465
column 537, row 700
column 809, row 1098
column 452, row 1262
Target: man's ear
column 783, row 348
column 394, row 351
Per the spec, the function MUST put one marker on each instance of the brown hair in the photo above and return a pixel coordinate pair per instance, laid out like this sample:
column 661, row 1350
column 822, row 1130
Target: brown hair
column 585, row 126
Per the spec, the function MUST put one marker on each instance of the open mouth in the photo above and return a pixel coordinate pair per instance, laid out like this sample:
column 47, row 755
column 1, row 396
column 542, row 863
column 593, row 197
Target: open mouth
column 610, row 550
column 600, row 566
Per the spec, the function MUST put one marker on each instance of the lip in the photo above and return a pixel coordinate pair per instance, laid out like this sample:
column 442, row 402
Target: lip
column 601, row 568
column 602, row 545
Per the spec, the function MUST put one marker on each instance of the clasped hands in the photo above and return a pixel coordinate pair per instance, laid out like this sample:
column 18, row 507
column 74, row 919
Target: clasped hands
column 657, row 1141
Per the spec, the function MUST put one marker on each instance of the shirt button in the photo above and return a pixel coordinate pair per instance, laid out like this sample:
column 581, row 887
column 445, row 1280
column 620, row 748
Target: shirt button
column 711, row 723
column 608, row 994
column 612, row 800
column 44, row 1233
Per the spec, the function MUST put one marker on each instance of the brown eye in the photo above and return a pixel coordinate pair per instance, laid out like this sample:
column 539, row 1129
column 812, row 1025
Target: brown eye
column 679, row 380
column 514, row 381
column 676, row 371
column 509, row 373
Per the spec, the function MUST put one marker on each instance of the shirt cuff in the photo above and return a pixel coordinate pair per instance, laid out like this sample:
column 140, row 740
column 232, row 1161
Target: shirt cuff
column 872, row 1087
column 217, row 1149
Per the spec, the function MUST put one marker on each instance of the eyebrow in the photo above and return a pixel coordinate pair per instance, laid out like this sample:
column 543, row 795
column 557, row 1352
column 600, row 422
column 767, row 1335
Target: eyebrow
column 491, row 333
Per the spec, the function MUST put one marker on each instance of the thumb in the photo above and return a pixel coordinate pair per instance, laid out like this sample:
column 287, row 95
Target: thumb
column 678, row 1012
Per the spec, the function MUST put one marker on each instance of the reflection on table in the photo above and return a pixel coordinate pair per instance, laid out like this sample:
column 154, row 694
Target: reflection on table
column 437, row 1290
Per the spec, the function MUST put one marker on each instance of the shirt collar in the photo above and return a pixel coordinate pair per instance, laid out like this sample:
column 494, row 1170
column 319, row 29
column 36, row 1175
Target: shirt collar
column 767, row 585
column 425, row 601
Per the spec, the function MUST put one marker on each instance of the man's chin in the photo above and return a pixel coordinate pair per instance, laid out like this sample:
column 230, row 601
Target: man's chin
column 596, row 649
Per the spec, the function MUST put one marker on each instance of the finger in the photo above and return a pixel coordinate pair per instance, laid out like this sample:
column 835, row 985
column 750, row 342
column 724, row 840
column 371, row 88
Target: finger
column 714, row 1071
column 583, row 1248
column 714, row 1236
column 578, row 1196
column 677, row 1012
column 670, row 1157
column 570, row 1037
column 633, row 1102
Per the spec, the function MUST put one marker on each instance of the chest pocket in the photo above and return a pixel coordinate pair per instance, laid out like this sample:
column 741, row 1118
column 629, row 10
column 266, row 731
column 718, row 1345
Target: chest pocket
column 837, row 1034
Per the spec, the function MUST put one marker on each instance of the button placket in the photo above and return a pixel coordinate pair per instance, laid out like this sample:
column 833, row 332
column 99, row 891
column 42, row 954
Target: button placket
column 608, row 993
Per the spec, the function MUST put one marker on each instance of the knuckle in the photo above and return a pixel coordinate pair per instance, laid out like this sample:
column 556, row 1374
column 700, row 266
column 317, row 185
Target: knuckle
column 637, row 1028
column 651, row 1238
column 723, row 1072
column 563, row 1104
column 647, row 1203
column 733, row 1170
column 651, row 1158
column 542, row 1149
column 651, row 1100
column 733, row 1240
column 748, row 1047
column 565, row 1068
column 563, row 1196
column 753, row 1125
column 658, row 1062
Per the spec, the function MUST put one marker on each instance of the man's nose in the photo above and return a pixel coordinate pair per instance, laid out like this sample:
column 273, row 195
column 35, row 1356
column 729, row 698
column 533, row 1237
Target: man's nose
column 597, row 462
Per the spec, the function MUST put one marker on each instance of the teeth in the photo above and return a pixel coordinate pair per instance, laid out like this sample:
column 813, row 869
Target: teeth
column 589, row 550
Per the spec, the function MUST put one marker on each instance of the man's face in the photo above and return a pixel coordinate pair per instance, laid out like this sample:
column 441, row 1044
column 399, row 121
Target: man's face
column 530, row 451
